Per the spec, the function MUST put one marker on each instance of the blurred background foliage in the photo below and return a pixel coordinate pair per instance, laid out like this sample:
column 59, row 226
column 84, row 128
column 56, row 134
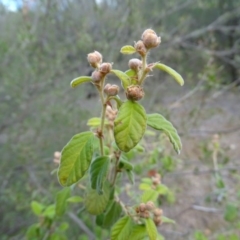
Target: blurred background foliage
column 43, row 46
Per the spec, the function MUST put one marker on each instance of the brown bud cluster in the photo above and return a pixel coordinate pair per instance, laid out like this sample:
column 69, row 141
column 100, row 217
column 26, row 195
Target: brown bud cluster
column 97, row 76
column 134, row 93
column 57, row 157
column 111, row 115
column 111, row 90
column 105, row 68
column 140, row 48
column 147, row 210
column 150, row 39
column 94, row 59
column 156, row 180
column 135, row 64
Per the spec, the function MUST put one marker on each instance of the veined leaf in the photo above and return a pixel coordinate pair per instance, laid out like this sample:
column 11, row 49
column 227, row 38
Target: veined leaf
column 150, row 195
column 77, row 81
column 170, row 71
column 125, row 164
column 151, row 229
column 131, row 73
column 98, row 172
column 76, row 158
column 126, row 81
column 61, row 201
column 122, row 229
column 128, row 49
column 158, row 122
column 139, row 232
column 130, row 125
column 95, row 204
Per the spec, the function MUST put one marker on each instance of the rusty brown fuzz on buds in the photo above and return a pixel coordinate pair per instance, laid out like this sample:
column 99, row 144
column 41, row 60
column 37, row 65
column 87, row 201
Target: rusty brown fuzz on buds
column 150, row 39
column 94, row 59
column 97, row 76
column 134, row 93
column 135, row 64
column 111, row 90
column 140, row 48
column 105, row 68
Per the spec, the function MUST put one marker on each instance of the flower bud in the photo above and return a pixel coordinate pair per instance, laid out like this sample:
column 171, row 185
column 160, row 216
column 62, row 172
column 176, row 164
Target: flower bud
column 157, row 220
column 142, row 207
column 134, row 92
column 150, row 39
column 94, row 59
column 158, row 212
column 140, row 48
column 57, row 155
column 135, row 64
column 150, row 206
column 105, row 68
column 111, row 90
column 97, row 76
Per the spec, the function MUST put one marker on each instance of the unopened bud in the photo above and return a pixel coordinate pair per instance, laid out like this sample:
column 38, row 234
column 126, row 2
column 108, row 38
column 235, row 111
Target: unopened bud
column 97, row 76
column 94, row 59
column 105, row 68
column 140, row 48
column 142, row 207
column 111, row 90
column 150, row 39
column 150, row 206
column 57, row 155
column 135, row 64
column 134, row 92
column 157, row 220
column 158, row 212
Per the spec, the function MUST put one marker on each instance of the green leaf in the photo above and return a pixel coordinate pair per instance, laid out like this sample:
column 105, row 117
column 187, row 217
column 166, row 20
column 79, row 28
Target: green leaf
column 125, row 164
column 98, row 172
column 167, row 220
column 158, row 122
column 96, row 122
column 122, row 229
column 128, row 49
column 75, row 199
column 126, row 81
column 150, row 195
column 199, row 236
column 77, row 81
column 130, row 125
column 37, row 208
column 145, row 186
column 33, row 232
column 162, row 189
column 64, row 226
column 76, row 158
column 61, row 201
column 151, row 229
column 95, row 204
column 139, row 232
column 170, row 71
column 112, row 215
column 100, row 219
column 130, row 175
column 49, row 212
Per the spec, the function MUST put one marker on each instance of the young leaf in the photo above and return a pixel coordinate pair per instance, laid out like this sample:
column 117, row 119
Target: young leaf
column 125, row 164
column 139, row 232
column 126, row 81
column 150, row 195
column 130, row 176
column 49, row 212
column 61, row 201
column 162, row 189
column 77, row 81
column 122, row 229
column 170, row 71
column 158, row 122
column 128, row 49
column 98, row 172
column 167, row 220
column 96, row 122
column 75, row 199
column 151, row 229
column 76, row 158
column 129, row 126
column 37, row 208
column 33, row 232
column 112, row 215
column 95, row 204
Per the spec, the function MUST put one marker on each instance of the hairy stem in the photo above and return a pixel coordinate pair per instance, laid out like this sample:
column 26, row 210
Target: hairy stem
column 116, row 168
column 143, row 72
